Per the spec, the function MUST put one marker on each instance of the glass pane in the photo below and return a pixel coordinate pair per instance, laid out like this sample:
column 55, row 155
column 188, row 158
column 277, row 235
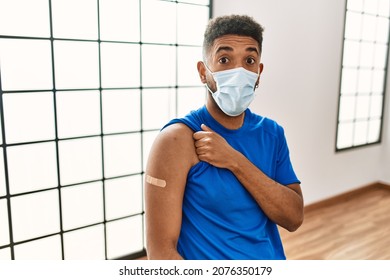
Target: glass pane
column 355, row 5
column 158, row 66
column 353, row 26
column 119, row 20
column 124, row 237
column 384, row 8
column 374, row 130
column 43, row 249
column 83, row 15
column 345, row 135
column 364, row 85
column 362, row 107
column 187, row 70
column 158, row 107
column 4, row 229
column 29, row 116
column 189, row 99
column 122, row 154
column 376, row 106
column 78, row 113
column 378, row 81
column 32, row 167
column 367, row 54
column 121, row 111
column 371, row 7
column 18, row 21
column 148, row 139
column 120, row 65
column 3, row 190
column 123, row 197
column 347, row 108
column 349, row 81
column 380, row 56
column 382, row 30
column 76, row 64
column 369, row 27
column 158, row 22
column 25, row 64
column 85, row 244
column 360, row 133
column 35, row 215
column 74, row 201
column 5, row 254
column 188, row 32
column 351, row 54
column 80, row 160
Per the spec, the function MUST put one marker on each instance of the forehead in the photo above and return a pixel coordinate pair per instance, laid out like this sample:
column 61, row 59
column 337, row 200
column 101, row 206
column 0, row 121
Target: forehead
column 234, row 42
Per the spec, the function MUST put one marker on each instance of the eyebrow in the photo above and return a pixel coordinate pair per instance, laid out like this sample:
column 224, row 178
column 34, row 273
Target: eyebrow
column 230, row 49
column 252, row 49
column 224, row 48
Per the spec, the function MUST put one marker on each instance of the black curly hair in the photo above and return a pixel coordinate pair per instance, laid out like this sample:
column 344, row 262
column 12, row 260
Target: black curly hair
column 241, row 25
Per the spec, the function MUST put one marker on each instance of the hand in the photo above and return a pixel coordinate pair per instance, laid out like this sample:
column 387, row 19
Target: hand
column 213, row 148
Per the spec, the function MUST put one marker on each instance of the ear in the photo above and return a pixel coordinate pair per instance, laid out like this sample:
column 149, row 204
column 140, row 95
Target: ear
column 261, row 67
column 202, row 71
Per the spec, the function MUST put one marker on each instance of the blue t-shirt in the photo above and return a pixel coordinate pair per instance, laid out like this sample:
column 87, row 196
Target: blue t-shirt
column 221, row 220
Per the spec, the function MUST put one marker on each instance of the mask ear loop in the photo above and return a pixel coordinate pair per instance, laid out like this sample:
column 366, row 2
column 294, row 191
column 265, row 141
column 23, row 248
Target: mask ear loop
column 212, row 73
column 209, row 89
column 208, row 69
column 257, row 83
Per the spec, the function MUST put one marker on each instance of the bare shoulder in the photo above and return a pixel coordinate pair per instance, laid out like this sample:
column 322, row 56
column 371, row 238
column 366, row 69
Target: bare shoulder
column 177, row 132
column 173, row 146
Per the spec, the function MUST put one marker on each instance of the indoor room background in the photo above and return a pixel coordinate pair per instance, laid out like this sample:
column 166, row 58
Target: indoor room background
column 86, row 85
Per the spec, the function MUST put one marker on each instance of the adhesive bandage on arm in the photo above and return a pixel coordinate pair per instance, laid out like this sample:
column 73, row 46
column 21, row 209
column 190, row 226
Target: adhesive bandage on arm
column 156, row 182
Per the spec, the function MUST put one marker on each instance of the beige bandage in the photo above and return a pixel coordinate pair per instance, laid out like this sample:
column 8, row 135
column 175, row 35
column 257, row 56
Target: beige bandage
column 156, row 182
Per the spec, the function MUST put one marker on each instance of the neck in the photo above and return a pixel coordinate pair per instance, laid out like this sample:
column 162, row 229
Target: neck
column 223, row 119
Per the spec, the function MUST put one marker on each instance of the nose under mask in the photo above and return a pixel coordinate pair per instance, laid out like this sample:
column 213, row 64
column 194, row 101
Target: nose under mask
column 235, row 89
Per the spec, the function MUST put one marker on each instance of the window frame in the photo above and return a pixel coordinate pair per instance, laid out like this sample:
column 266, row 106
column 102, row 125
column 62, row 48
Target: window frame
column 355, row 94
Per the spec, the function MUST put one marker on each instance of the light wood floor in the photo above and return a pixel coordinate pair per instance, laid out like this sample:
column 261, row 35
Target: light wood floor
column 355, row 226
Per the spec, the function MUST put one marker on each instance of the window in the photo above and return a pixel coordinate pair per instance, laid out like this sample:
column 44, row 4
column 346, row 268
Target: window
column 85, row 87
column 364, row 68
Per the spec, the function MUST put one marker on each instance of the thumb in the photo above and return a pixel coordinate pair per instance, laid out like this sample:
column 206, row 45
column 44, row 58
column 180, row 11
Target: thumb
column 206, row 128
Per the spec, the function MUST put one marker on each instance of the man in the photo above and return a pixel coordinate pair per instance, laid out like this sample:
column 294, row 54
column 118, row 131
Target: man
column 220, row 180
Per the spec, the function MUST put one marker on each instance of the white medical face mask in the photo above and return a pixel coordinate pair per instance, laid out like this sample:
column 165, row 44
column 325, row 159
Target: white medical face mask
column 235, row 89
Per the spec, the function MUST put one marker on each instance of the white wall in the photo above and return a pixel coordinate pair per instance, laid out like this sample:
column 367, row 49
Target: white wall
column 299, row 89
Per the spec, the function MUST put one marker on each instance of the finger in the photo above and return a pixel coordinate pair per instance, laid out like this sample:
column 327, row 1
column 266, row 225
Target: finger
column 202, row 155
column 206, row 128
column 203, row 158
column 199, row 143
column 199, row 135
column 200, row 151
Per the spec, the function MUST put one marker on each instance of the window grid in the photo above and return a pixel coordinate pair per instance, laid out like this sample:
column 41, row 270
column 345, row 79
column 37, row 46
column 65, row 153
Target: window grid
column 363, row 74
column 101, row 136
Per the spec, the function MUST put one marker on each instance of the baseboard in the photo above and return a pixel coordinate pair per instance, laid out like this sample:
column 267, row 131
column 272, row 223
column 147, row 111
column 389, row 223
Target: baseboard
column 383, row 185
column 345, row 196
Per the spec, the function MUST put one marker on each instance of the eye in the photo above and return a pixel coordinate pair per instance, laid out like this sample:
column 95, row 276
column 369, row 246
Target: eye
column 250, row 60
column 223, row 60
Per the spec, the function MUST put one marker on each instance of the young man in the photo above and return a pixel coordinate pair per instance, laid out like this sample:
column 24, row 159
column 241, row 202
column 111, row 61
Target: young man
column 220, row 180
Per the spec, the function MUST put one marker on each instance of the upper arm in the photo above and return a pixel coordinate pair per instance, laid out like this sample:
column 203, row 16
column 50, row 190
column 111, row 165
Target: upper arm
column 170, row 159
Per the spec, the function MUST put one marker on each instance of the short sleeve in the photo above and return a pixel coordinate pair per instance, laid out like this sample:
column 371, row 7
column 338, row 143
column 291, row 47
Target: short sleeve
column 285, row 174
